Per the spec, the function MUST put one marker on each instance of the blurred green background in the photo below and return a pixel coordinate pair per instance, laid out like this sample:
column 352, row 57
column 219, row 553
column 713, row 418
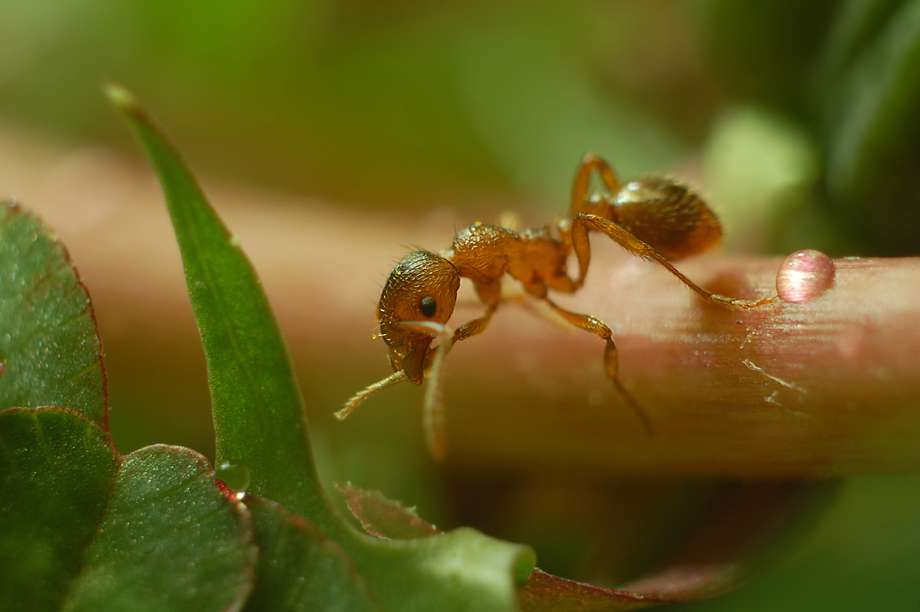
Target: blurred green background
column 799, row 121
column 405, row 103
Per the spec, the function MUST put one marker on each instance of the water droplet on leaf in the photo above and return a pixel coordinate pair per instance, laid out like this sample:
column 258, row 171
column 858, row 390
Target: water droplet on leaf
column 235, row 475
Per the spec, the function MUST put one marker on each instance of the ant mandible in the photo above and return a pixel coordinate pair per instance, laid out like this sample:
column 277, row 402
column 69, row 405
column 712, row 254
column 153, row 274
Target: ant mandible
column 653, row 218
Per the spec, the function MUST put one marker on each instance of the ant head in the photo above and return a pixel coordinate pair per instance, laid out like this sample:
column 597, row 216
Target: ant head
column 421, row 289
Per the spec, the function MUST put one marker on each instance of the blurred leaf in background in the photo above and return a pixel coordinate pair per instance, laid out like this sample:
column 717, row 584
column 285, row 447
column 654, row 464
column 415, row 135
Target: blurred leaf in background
column 864, row 555
column 846, row 76
column 407, row 103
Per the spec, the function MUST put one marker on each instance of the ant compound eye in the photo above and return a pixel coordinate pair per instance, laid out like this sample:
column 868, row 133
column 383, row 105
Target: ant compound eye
column 428, row 306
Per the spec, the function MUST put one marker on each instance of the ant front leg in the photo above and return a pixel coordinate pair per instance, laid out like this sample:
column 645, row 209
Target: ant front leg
column 600, row 329
column 433, row 410
column 591, row 162
column 433, row 407
column 582, row 247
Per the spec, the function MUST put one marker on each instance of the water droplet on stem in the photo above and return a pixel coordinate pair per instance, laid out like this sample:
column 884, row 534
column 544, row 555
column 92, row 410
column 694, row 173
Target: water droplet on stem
column 804, row 275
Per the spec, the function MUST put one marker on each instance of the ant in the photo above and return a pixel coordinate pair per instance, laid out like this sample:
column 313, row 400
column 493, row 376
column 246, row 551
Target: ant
column 653, row 218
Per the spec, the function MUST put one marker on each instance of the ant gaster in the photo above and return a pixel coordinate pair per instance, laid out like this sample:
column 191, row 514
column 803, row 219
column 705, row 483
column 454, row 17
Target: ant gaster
column 653, row 218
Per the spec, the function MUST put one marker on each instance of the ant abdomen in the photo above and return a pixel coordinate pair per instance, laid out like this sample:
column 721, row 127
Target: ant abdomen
column 667, row 216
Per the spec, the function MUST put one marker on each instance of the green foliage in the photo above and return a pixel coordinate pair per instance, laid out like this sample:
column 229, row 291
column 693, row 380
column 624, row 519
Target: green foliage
column 849, row 75
column 869, row 97
column 257, row 406
column 716, row 559
column 299, row 569
column 49, row 350
column 170, row 539
column 260, row 420
column 56, row 470
column 82, row 528
column 154, row 530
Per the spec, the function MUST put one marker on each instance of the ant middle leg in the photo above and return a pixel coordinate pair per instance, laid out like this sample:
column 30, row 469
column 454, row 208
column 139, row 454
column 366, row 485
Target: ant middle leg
column 582, row 247
column 476, row 326
column 611, row 361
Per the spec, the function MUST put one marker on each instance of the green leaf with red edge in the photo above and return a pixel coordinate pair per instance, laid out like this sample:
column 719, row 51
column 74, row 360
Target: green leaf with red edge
column 299, row 569
column 170, row 539
column 260, row 419
column 56, row 471
column 50, row 353
column 750, row 525
column 82, row 528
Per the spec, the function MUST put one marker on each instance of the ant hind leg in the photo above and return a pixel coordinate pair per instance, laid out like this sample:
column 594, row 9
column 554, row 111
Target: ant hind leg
column 582, row 222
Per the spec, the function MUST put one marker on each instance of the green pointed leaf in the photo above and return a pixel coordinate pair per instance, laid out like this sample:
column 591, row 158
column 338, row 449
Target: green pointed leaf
column 56, row 471
column 82, row 528
column 50, row 353
column 260, row 418
column 299, row 569
column 256, row 402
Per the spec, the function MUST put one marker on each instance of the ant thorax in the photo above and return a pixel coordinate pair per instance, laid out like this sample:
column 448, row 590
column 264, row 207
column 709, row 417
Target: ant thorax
column 485, row 253
column 481, row 252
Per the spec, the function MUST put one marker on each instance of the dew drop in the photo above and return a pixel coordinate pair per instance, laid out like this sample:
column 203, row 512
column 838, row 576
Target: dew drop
column 236, row 476
column 804, row 275
column 2, row 368
column 235, row 240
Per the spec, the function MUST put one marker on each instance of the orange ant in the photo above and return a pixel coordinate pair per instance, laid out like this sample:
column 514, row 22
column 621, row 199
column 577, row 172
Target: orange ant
column 653, row 218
